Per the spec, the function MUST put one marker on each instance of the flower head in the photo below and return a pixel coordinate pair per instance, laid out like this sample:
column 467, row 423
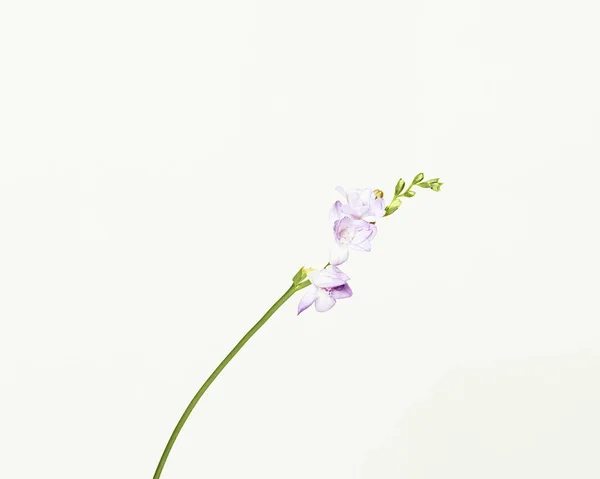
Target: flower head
column 360, row 205
column 350, row 234
column 328, row 285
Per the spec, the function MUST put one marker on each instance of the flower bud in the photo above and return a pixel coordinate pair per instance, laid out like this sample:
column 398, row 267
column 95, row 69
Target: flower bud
column 301, row 275
column 393, row 206
column 399, row 187
column 418, row 178
column 434, row 184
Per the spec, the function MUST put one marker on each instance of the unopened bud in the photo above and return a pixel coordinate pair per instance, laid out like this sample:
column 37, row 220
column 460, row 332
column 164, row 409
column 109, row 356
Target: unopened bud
column 399, row 187
column 434, row 184
column 393, row 206
column 301, row 275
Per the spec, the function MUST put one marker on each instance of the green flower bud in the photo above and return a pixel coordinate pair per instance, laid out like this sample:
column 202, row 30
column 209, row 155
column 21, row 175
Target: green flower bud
column 393, row 206
column 409, row 194
column 418, row 178
column 399, row 187
column 300, row 275
column 434, row 184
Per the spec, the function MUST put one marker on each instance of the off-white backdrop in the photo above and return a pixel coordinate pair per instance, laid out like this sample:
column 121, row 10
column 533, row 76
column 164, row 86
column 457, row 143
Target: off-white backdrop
column 166, row 167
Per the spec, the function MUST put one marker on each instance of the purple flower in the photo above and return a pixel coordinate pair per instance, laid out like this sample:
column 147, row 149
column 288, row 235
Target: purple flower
column 350, row 234
column 360, row 205
column 328, row 285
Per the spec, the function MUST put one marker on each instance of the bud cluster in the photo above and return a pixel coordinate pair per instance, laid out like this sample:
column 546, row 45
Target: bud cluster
column 399, row 192
column 433, row 184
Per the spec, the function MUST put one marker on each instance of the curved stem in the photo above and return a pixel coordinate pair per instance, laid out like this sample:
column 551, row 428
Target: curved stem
column 186, row 414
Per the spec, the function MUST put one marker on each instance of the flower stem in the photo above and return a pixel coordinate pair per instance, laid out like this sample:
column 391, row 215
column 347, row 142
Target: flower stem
column 186, row 414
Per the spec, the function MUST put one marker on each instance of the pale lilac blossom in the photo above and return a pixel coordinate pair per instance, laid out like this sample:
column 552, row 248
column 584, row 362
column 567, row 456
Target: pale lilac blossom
column 328, row 285
column 350, row 234
column 360, row 205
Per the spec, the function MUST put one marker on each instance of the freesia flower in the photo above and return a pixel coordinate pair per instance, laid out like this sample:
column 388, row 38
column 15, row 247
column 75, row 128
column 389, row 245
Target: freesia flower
column 360, row 205
column 353, row 228
column 350, row 234
column 328, row 285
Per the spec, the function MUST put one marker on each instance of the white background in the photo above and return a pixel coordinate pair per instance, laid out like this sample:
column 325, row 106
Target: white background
column 166, row 167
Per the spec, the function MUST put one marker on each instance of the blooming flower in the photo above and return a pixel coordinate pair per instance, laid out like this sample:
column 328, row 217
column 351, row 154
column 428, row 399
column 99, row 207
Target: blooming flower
column 328, row 285
column 360, row 205
column 350, row 234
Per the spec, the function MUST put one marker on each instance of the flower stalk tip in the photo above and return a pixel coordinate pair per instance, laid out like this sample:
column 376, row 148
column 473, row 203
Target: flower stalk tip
column 399, row 192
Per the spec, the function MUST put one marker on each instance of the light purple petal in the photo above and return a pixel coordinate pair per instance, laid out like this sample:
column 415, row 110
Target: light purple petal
column 362, row 204
column 364, row 246
column 329, row 277
column 341, row 292
column 324, row 303
column 341, row 225
column 336, row 211
column 378, row 207
column 370, row 217
column 337, row 272
column 338, row 254
column 324, row 279
column 354, row 198
column 342, row 192
column 337, row 227
column 373, row 229
column 355, row 211
column 366, row 196
column 364, row 231
column 309, row 298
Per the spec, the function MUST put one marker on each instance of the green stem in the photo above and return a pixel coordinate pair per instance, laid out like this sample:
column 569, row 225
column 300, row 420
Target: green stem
column 186, row 414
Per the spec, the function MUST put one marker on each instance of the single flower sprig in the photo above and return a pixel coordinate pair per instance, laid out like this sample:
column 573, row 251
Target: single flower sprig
column 400, row 192
column 354, row 228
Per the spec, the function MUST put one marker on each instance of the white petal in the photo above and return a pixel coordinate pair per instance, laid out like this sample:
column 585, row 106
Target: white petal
column 309, row 298
column 341, row 191
column 366, row 195
column 354, row 198
column 338, row 254
column 324, row 303
column 337, row 272
column 325, row 279
column 378, row 207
